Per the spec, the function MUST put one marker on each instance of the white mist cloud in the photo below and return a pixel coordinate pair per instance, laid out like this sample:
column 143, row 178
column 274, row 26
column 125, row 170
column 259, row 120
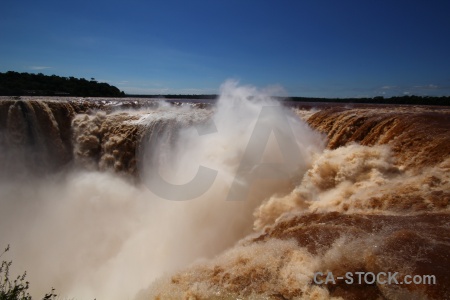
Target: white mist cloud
column 388, row 87
column 427, row 87
column 38, row 68
column 97, row 235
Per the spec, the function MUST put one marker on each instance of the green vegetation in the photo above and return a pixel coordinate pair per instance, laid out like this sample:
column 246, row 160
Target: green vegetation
column 178, row 96
column 26, row 84
column 18, row 288
column 408, row 99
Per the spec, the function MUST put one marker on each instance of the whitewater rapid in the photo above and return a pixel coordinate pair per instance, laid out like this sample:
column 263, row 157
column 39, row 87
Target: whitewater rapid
column 368, row 191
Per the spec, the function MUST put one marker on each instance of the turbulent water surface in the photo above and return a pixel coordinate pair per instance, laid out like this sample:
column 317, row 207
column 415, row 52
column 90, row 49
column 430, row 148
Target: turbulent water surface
column 89, row 190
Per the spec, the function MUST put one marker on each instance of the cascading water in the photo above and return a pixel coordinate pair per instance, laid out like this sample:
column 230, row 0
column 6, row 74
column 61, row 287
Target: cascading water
column 80, row 207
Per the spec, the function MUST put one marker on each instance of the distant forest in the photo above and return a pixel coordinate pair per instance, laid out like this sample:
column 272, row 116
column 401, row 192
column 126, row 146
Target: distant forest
column 25, row 84
column 407, row 99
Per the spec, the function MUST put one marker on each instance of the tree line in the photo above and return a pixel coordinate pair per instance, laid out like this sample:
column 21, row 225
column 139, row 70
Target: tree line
column 406, row 99
column 26, row 84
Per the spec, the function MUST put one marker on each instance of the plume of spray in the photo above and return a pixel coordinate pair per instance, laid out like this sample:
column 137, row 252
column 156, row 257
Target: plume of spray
column 357, row 208
column 97, row 235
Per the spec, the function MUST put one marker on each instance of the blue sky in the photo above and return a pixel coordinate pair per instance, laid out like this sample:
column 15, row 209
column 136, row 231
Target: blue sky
column 310, row 48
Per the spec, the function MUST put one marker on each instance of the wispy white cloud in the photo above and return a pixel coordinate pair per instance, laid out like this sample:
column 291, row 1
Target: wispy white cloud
column 429, row 86
column 37, row 68
column 431, row 89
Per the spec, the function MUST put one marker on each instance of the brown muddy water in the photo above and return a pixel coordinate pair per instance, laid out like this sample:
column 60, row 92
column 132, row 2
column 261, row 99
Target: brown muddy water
column 98, row 197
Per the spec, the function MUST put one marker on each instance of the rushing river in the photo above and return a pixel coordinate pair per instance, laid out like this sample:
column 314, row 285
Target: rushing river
column 240, row 198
